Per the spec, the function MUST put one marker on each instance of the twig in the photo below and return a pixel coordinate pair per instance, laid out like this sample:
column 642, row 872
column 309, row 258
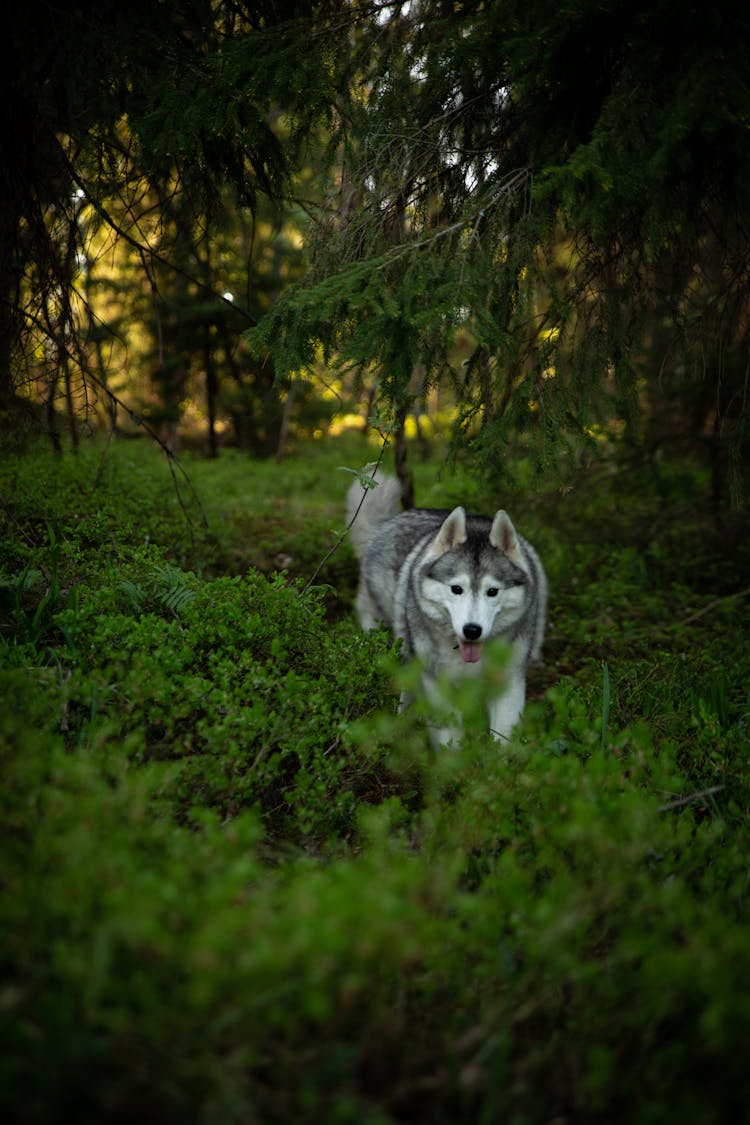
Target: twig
column 689, row 800
column 343, row 534
column 707, row 608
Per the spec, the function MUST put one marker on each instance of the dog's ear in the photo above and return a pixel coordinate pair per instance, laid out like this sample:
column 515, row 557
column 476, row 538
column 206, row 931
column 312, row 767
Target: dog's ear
column 451, row 534
column 503, row 536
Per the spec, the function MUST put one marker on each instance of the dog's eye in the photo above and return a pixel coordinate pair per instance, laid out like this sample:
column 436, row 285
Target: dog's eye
column 457, row 590
column 493, row 592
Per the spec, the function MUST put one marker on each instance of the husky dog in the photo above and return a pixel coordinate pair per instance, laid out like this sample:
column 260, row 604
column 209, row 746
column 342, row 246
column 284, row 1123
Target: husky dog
column 445, row 583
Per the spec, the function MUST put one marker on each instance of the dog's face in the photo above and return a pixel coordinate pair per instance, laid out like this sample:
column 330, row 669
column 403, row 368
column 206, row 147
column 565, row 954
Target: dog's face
column 474, row 581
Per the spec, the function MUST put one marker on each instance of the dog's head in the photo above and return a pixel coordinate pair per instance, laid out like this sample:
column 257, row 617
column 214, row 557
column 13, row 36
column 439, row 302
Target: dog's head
column 475, row 575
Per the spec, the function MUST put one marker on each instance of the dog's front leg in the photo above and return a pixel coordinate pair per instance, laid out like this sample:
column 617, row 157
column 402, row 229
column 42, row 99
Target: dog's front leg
column 447, row 730
column 506, row 709
column 439, row 736
column 404, row 701
column 442, row 737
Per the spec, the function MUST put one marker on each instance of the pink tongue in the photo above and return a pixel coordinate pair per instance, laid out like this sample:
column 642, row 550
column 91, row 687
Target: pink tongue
column 471, row 651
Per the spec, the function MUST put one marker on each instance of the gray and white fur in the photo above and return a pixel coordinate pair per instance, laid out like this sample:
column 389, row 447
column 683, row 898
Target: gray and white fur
column 445, row 583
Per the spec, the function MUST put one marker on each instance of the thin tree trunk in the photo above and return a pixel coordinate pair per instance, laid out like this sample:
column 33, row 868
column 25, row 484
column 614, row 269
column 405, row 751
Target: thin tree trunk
column 286, row 420
column 70, row 404
column 212, row 388
column 53, row 429
column 403, row 472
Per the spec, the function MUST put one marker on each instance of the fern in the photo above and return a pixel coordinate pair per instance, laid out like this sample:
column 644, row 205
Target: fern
column 26, row 580
column 173, row 589
column 134, row 593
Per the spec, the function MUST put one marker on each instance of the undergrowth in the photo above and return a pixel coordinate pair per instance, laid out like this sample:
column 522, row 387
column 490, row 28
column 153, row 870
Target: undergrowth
column 237, row 886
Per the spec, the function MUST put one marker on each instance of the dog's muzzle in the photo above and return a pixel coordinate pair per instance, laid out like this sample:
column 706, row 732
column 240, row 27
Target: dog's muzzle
column 470, row 645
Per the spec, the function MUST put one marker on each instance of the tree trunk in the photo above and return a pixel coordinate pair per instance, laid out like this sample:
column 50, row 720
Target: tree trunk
column 403, row 472
column 9, row 320
column 69, row 403
column 212, row 388
column 286, row 420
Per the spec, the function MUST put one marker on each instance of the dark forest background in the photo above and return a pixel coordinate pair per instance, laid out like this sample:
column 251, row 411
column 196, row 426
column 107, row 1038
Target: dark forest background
column 508, row 217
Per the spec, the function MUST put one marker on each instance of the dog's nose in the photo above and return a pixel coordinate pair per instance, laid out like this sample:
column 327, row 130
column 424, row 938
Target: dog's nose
column 472, row 632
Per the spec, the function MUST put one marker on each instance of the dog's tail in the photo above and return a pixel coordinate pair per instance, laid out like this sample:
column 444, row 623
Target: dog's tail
column 380, row 502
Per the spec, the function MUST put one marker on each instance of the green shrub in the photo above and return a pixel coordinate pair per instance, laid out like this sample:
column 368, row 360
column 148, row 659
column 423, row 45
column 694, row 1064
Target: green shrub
column 238, row 681
column 236, row 886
